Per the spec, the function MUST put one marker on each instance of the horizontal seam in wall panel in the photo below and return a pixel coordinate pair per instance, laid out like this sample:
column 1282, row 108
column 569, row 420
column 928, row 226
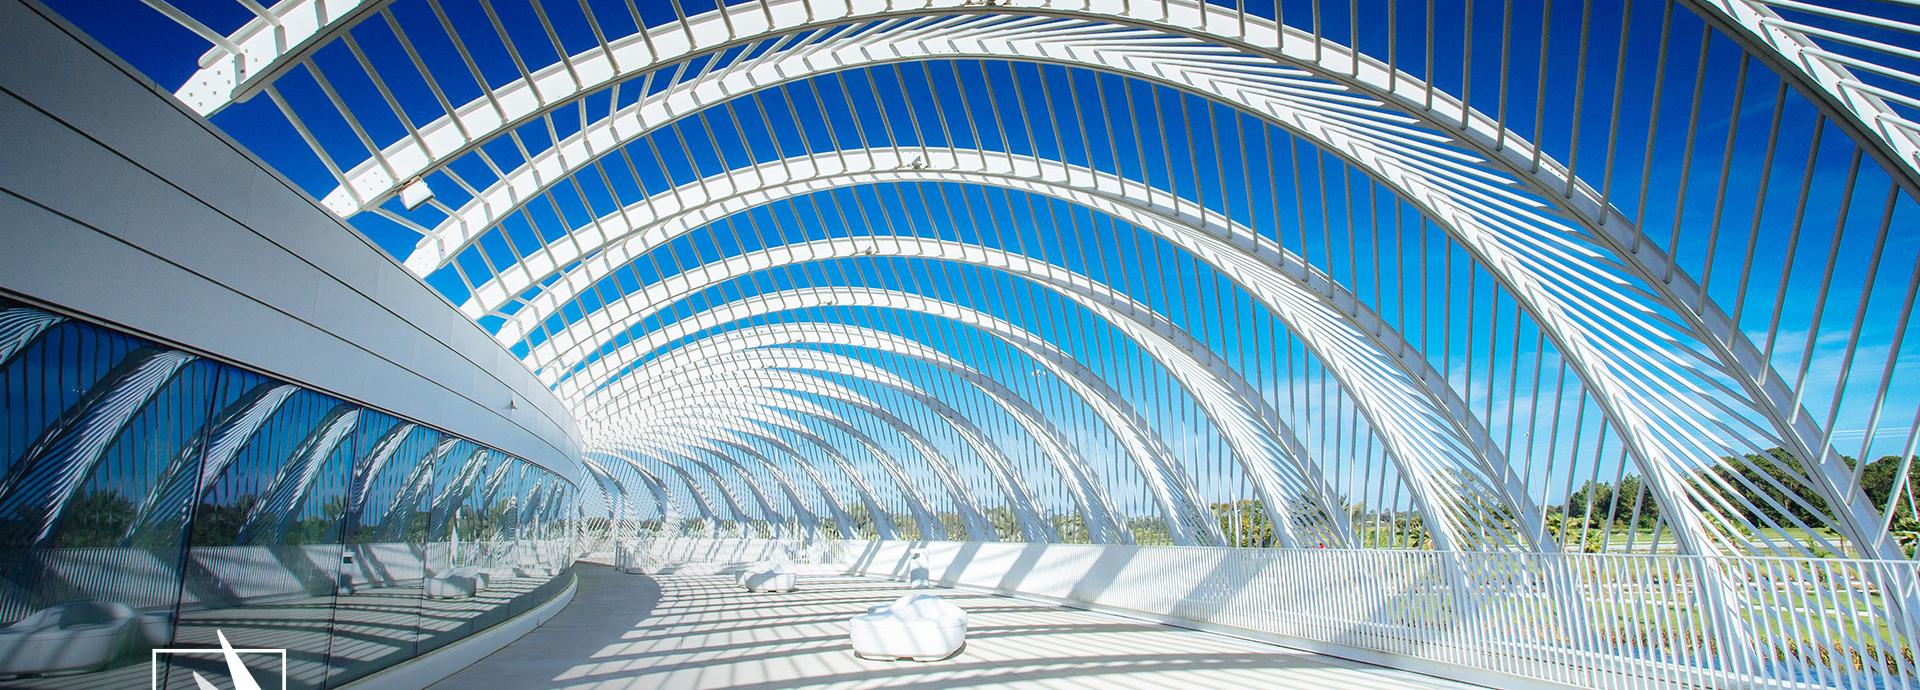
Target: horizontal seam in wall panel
column 355, row 290
column 172, row 342
column 167, row 98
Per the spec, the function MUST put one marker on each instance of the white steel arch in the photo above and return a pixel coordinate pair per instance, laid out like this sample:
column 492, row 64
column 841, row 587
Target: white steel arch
column 1173, row 489
column 671, row 511
column 205, row 458
column 788, row 403
column 710, row 356
column 1007, row 480
column 691, row 446
column 1670, row 435
column 1209, row 380
column 51, row 470
column 19, row 327
column 640, row 459
column 740, row 439
column 779, row 409
column 242, row 62
column 828, row 495
column 784, row 408
column 1410, row 426
column 948, row 477
column 681, row 455
column 858, row 213
column 753, row 412
column 1081, row 479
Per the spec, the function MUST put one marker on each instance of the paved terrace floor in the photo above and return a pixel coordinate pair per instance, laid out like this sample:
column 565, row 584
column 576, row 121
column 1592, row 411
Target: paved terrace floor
column 701, row 631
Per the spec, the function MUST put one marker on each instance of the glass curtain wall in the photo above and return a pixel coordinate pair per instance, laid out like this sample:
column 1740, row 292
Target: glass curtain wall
column 153, row 499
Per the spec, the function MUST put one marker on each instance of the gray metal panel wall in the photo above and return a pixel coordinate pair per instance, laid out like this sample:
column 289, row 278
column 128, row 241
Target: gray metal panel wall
column 121, row 205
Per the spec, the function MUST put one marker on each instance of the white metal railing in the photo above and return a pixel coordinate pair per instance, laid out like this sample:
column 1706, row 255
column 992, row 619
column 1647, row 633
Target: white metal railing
column 652, row 550
column 1587, row 620
column 543, row 554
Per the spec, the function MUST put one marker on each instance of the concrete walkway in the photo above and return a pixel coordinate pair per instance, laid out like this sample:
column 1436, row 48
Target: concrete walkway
column 700, row 631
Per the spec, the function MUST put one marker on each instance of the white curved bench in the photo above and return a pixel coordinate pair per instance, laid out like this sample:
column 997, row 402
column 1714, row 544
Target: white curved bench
column 481, row 578
column 538, row 571
column 77, row 636
column 921, row 627
column 767, row 577
column 451, row 585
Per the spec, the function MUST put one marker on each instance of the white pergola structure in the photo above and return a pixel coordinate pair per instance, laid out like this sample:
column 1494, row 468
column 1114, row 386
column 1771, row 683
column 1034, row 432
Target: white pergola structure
column 1393, row 273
